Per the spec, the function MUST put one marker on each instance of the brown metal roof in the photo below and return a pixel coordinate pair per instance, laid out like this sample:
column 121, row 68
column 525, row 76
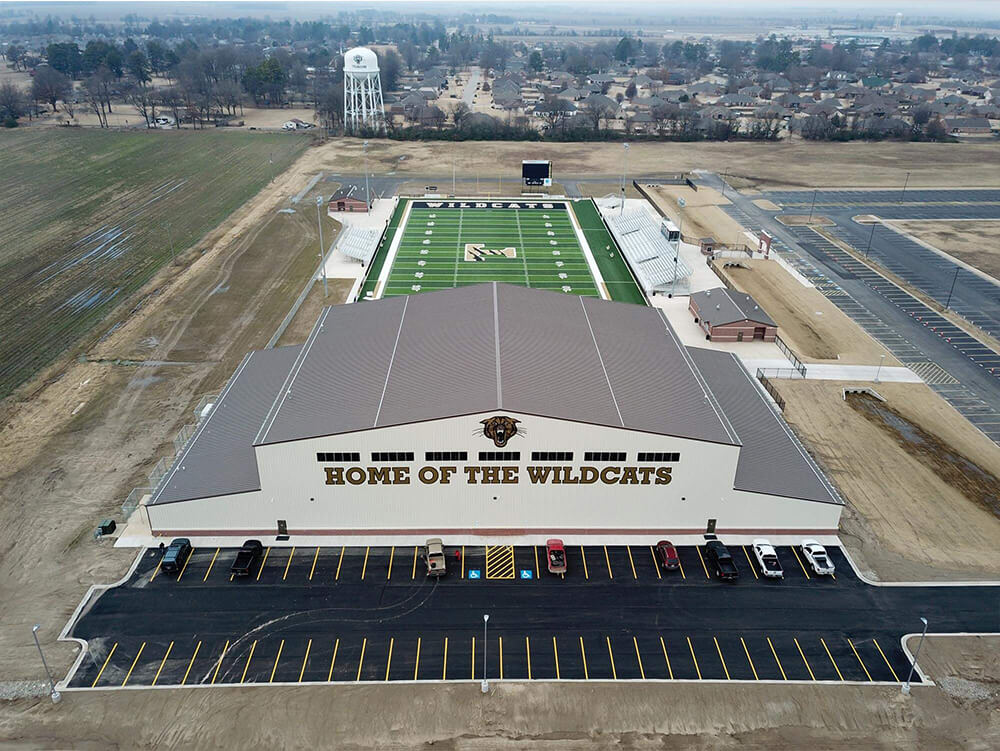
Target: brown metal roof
column 720, row 306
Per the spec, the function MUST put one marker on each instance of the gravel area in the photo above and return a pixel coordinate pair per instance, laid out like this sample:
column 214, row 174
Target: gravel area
column 960, row 688
column 11, row 690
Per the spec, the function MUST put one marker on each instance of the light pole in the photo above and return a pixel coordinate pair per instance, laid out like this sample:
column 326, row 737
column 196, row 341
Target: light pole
column 368, row 199
column 319, row 223
column 681, row 203
column 906, row 686
column 724, row 176
column 905, row 182
column 53, row 692
column 870, row 236
column 881, row 359
column 485, row 687
column 624, row 172
column 953, row 280
column 812, row 206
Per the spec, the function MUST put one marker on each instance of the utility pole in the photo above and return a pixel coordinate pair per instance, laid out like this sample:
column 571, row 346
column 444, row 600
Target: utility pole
column 485, row 687
column 319, row 223
column 906, row 686
column 953, row 280
column 53, row 692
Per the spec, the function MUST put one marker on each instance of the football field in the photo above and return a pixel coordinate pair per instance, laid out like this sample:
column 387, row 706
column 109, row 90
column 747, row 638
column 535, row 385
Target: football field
column 448, row 244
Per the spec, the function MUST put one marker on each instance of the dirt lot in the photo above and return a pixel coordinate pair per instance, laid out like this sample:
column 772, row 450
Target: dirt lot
column 922, row 483
column 804, row 220
column 304, row 320
column 701, row 215
column 813, row 327
column 977, row 243
column 529, row 716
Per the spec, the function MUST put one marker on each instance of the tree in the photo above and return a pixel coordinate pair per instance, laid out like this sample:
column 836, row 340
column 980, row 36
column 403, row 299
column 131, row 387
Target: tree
column 624, row 49
column 390, row 65
column 460, row 114
column 144, row 99
column 170, row 99
column 631, row 90
column 936, row 130
column 98, row 53
column 535, row 61
column 138, row 67
column 49, row 85
column 97, row 91
column 13, row 103
column 16, row 55
column 65, row 57
column 555, row 111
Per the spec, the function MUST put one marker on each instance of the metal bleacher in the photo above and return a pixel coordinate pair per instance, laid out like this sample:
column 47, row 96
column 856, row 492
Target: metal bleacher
column 358, row 242
column 654, row 260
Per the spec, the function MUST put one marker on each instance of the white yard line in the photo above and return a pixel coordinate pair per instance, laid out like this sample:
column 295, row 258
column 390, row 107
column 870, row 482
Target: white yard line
column 595, row 272
column 390, row 258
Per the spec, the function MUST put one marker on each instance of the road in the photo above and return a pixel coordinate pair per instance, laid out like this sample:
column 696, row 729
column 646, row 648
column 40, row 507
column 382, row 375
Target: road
column 370, row 614
column 469, row 92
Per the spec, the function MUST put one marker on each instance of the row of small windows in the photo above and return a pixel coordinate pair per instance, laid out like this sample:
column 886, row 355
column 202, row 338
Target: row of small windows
column 659, row 456
column 604, row 456
column 551, row 456
column 337, row 456
column 446, row 456
column 392, row 456
column 499, row 456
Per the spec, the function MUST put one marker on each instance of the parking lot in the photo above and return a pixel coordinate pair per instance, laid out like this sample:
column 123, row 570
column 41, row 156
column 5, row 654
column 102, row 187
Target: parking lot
column 370, row 614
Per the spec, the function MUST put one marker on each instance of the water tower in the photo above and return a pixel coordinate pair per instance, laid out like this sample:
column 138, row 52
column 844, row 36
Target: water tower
column 363, row 106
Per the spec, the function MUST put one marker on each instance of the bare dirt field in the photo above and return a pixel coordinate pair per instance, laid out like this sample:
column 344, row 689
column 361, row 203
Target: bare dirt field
column 804, row 220
column 813, row 327
column 956, row 714
column 977, row 243
column 921, row 482
column 701, row 215
column 308, row 313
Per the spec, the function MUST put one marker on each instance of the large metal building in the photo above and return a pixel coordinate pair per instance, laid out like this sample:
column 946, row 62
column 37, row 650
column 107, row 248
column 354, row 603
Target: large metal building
column 492, row 411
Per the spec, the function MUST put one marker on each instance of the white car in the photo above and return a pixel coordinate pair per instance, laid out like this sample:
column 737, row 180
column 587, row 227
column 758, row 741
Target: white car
column 767, row 559
column 815, row 554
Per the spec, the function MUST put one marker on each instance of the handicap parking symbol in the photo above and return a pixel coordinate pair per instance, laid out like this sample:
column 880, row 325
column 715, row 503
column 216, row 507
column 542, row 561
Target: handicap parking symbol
column 474, row 573
column 527, row 573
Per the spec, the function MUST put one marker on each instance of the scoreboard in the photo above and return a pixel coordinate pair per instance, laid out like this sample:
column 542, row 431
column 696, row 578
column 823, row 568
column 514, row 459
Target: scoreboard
column 536, row 172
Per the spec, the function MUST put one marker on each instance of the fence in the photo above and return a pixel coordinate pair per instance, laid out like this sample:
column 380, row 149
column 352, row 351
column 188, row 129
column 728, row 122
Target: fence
column 787, row 373
column 787, row 352
column 769, row 387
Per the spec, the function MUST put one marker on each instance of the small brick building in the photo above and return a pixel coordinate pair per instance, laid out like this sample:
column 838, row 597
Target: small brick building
column 729, row 316
column 347, row 201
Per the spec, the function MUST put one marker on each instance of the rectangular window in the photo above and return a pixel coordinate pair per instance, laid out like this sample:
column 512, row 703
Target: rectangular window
column 499, row 456
column 446, row 456
column 392, row 456
column 659, row 456
column 551, row 456
column 338, row 456
column 604, row 456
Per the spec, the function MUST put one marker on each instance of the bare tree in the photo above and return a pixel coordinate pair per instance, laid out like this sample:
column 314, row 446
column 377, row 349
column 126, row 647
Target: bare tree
column 13, row 103
column 460, row 114
column 144, row 99
column 49, row 85
column 170, row 99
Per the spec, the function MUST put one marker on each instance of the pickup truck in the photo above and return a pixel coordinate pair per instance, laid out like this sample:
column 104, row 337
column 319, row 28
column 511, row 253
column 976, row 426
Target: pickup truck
column 245, row 558
column 434, row 557
column 555, row 552
column 721, row 560
column 817, row 558
column 767, row 559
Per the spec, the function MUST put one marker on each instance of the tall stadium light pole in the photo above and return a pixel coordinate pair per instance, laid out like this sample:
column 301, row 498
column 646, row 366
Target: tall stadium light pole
column 870, row 236
column 319, row 223
column 906, row 686
column 624, row 173
column 485, row 686
column 905, row 183
column 812, row 206
column 953, row 280
column 681, row 203
column 53, row 692
column 368, row 200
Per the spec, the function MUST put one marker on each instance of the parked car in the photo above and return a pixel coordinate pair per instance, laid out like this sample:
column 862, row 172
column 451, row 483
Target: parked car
column 434, row 557
column 176, row 555
column 767, row 559
column 817, row 558
column 246, row 557
column 555, row 554
column 666, row 555
column 721, row 560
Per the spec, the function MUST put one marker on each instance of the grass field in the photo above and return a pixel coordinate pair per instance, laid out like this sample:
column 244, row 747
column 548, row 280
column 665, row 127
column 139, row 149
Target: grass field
column 88, row 216
column 443, row 247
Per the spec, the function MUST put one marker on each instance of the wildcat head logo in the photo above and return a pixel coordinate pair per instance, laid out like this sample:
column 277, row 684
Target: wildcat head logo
column 500, row 429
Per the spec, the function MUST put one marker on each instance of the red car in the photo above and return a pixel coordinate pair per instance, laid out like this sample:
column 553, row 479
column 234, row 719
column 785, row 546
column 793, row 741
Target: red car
column 555, row 555
column 666, row 554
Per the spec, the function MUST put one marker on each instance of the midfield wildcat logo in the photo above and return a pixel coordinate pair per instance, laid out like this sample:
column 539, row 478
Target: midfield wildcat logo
column 500, row 429
column 479, row 252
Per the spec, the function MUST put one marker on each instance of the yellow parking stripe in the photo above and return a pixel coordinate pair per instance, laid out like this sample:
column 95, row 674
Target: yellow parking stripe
column 364, row 566
column 463, row 562
column 392, row 553
column 752, row 567
column 416, row 663
column 413, row 574
column 586, row 574
column 839, row 675
column 555, row 655
column 537, row 572
column 205, row 577
column 267, row 552
column 721, row 658
column 696, row 668
column 106, row 661
column 305, row 660
column 186, row 672
column 162, row 663
column 680, row 567
column 775, row 653
column 638, row 658
column 670, row 670
column 364, row 644
column 186, row 562
column 157, row 569
column 875, row 642
column 288, row 564
column 803, row 655
column 134, row 663
column 608, row 561
column 614, row 673
column 276, row 658
column 249, row 657
column 219, row 663
column 444, row 665
column 340, row 561
column 501, row 658
column 313, row 569
column 631, row 562
column 863, row 666
column 795, row 553
column 527, row 649
column 333, row 661
column 749, row 659
column 583, row 654
column 388, row 660
column 656, row 563
column 702, row 559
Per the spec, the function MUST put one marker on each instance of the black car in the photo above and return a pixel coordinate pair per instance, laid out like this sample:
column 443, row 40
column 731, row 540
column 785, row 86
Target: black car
column 721, row 560
column 246, row 557
column 176, row 555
